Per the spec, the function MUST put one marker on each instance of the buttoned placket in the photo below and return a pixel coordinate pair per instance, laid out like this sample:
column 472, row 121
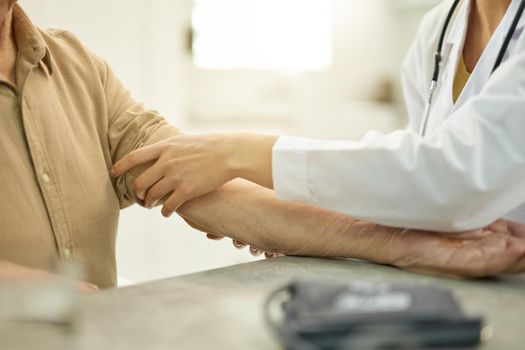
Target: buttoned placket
column 49, row 186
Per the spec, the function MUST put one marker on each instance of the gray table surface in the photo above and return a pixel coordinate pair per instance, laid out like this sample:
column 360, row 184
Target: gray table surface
column 222, row 309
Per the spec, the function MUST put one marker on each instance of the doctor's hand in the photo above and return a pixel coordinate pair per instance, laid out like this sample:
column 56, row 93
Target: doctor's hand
column 493, row 250
column 188, row 166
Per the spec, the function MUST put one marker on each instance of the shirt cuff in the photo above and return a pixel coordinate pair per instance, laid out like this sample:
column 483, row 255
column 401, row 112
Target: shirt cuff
column 290, row 169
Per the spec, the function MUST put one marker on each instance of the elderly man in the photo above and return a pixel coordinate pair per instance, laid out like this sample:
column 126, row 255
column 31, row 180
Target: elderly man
column 66, row 119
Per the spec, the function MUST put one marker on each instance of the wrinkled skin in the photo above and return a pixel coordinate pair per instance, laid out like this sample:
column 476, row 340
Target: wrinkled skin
column 252, row 214
column 495, row 250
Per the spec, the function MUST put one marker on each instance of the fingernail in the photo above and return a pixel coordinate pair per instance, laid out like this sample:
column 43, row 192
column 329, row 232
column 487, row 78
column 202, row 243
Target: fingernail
column 239, row 245
column 255, row 251
column 112, row 173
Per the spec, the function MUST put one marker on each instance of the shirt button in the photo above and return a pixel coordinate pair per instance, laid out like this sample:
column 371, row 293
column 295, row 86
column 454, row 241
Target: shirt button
column 67, row 253
column 45, row 178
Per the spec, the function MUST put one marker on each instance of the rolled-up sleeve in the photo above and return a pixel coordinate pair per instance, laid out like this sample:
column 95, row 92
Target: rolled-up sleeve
column 130, row 126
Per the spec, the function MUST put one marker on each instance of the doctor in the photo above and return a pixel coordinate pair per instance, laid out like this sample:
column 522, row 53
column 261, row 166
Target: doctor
column 459, row 165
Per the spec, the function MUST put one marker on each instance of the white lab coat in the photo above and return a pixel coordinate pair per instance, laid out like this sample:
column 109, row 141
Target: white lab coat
column 467, row 172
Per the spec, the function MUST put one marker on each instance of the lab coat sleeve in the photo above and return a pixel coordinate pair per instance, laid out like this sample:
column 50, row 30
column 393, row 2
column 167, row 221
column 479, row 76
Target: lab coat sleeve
column 468, row 173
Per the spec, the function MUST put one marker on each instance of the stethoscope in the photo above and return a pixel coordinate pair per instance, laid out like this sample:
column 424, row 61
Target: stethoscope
column 438, row 57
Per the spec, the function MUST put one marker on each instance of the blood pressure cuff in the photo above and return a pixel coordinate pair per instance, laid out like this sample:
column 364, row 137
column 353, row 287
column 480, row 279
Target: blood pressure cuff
column 371, row 316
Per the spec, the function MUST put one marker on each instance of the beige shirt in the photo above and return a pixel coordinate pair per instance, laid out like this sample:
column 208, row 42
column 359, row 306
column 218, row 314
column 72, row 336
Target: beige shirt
column 61, row 128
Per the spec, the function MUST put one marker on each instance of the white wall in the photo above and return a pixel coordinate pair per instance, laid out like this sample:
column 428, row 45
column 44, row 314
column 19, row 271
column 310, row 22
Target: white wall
column 370, row 39
column 144, row 42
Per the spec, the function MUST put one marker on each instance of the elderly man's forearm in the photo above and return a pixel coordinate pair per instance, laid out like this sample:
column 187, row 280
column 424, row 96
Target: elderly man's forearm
column 252, row 214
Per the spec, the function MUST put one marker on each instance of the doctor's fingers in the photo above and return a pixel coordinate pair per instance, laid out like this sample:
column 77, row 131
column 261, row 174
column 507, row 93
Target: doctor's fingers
column 500, row 226
column 494, row 255
column 163, row 189
column 147, row 179
column 519, row 265
column 136, row 158
column 177, row 198
column 517, row 229
column 472, row 258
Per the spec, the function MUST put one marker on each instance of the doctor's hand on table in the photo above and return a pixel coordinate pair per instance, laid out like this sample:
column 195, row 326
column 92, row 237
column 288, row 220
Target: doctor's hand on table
column 188, row 166
column 491, row 251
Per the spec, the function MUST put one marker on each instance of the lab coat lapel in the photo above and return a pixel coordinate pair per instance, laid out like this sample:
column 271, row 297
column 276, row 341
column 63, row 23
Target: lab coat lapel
column 455, row 41
column 452, row 49
column 450, row 53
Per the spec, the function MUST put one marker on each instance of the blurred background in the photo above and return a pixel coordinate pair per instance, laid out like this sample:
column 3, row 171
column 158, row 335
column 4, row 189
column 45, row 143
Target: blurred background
column 315, row 68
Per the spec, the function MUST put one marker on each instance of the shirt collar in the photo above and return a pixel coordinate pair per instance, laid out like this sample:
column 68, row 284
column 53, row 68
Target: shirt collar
column 30, row 42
